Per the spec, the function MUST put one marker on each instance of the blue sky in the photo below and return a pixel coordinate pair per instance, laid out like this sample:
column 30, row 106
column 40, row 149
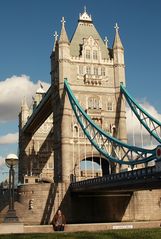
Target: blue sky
column 26, row 41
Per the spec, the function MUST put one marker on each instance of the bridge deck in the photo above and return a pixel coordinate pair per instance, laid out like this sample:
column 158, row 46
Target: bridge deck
column 140, row 179
column 40, row 114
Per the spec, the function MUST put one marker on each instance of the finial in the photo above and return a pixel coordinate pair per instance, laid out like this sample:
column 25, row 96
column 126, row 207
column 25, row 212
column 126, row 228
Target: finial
column 116, row 27
column 63, row 21
column 56, row 36
column 85, row 16
column 41, row 86
column 106, row 42
column 55, row 39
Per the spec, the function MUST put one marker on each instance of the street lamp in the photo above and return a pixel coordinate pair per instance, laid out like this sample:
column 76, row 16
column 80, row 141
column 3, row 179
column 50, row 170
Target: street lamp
column 11, row 161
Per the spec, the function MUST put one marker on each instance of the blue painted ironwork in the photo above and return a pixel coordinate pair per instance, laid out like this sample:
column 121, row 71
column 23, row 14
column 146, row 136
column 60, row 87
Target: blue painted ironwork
column 113, row 149
column 152, row 125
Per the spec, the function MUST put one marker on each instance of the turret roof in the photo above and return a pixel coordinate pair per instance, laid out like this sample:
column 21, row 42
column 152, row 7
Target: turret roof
column 117, row 41
column 63, row 34
column 84, row 30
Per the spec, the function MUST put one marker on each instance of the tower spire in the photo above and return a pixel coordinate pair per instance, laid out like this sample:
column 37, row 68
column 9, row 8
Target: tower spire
column 24, row 114
column 63, row 34
column 117, row 40
column 55, row 39
column 24, row 105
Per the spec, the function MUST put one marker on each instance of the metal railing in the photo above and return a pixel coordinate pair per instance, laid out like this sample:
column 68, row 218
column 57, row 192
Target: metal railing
column 133, row 174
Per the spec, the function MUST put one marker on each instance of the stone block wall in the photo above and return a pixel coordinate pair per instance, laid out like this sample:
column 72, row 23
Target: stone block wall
column 37, row 204
column 144, row 206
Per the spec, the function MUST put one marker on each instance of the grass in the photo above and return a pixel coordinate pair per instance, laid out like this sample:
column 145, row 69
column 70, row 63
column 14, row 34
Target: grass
column 114, row 234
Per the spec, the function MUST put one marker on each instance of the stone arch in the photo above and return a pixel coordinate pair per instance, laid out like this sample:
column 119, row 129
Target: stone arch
column 75, row 131
column 101, row 162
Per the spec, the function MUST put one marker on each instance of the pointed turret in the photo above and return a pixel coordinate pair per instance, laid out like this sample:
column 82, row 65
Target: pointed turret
column 55, row 40
column 24, row 105
column 63, row 56
column 117, row 42
column 38, row 96
column 118, row 50
column 64, row 50
column 24, row 114
column 119, row 77
column 54, row 57
column 63, row 34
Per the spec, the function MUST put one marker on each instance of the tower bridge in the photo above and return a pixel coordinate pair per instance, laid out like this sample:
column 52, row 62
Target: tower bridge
column 77, row 131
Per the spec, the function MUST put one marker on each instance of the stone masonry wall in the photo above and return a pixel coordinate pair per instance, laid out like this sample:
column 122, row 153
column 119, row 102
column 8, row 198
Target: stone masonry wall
column 144, row 206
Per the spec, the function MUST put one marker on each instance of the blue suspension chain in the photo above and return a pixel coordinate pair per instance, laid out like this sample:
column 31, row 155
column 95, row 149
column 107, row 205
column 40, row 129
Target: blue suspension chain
column 135, row 155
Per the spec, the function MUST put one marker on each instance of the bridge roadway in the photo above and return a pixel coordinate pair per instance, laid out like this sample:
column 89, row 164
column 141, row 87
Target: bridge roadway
column 141, row 179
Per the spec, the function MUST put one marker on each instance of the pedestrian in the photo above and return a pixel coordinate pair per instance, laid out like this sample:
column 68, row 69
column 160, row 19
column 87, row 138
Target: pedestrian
column 59, row 221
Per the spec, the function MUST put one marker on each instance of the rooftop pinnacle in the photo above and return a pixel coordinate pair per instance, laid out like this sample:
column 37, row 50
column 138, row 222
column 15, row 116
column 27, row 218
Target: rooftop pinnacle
column 117, row 41
column 63, row 34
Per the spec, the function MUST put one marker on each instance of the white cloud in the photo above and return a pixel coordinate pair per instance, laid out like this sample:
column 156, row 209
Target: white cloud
column 2, row 161
column 9, row 138
column 12, row 91
column 134, row 128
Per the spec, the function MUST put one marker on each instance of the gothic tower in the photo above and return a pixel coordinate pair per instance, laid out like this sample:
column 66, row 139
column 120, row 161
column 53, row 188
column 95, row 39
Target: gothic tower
column 94, row 72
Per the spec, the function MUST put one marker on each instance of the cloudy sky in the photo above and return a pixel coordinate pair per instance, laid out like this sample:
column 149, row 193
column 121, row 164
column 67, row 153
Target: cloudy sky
column 27, row 28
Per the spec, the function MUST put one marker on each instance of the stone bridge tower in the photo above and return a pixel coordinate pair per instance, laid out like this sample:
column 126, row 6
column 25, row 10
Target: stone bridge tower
column 94, row 72
column 55, row 151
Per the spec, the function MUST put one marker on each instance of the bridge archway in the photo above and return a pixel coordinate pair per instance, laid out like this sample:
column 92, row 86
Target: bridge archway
column 94, row 166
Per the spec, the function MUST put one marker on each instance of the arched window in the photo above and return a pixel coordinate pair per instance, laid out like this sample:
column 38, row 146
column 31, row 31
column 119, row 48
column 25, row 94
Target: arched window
column 96, row 71
column 93, row 102
column 88, row 70
column 75, row 131
column 88, row 54
column 95, row 55
column 103, row 71
column 109, row 106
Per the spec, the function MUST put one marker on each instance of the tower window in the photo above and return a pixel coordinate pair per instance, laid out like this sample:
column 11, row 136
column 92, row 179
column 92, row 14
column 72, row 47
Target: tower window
column 103, row 72
column 109, row 106
column 96, row 71
column 88, row 70
column 95, row 55
column 93, row 103
column 88, row 54
column 75, row 131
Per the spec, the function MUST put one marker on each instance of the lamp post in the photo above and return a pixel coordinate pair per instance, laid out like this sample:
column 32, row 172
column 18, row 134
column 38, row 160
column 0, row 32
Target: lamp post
column 11, row 161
